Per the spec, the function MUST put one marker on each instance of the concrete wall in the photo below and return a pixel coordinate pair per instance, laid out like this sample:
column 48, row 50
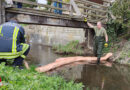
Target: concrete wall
column 50, row 35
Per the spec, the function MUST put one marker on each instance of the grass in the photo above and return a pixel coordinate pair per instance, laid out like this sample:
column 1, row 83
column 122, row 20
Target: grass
column 72, row 47
column 15, row 79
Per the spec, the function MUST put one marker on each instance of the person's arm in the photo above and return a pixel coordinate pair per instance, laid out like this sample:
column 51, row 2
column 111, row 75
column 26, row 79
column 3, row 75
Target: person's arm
column 106, row 36
column 22, row 32
column 90, row 25
column 106, row 39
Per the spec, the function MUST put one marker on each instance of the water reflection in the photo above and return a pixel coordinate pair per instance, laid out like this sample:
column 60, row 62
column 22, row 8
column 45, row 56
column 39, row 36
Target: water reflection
column 41, row 55
column 97, row 77
column 94, row 77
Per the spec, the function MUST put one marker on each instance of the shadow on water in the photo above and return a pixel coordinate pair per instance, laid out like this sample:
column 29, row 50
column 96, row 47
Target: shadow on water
column 94, row 77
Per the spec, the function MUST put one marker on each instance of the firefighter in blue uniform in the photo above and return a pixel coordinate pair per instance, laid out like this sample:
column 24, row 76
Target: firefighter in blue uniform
column 12, row 43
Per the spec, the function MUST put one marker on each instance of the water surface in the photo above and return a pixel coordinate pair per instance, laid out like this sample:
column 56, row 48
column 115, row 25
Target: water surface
column 94, row 77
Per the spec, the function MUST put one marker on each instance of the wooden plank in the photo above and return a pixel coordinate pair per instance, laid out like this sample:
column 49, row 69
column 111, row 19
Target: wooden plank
column 71, row 10
column 41, row 5
column 36, row 12
column 29, row 11
column 88, row 2
column 75, row 7
column 59, row 17
column 90, row 20
column 85, row 13
column 44, row 20
column 106, row 1
column 89, row 8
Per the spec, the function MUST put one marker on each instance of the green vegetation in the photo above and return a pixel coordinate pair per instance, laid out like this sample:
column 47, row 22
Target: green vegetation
column 119, row 19
column 15, row 79
column 72, row 47
column 118, row 26
column 121, row 11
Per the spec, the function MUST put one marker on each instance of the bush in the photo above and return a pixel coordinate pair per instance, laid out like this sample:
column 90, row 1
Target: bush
column 15, row 79
column 120, row 24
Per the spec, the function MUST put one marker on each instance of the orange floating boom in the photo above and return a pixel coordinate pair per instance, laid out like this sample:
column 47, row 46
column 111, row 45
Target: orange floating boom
column 63, row 61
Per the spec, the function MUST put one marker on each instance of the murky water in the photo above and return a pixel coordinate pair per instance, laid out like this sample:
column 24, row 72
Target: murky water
column 97, row 77
column 94, row 77
column 41, row 55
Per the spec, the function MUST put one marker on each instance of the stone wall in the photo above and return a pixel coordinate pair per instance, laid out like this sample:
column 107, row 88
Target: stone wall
column 50, row 35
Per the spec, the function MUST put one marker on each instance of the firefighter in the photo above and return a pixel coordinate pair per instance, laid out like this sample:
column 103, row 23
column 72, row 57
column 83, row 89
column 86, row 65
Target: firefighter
column 100, row 36
column 12, row 43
